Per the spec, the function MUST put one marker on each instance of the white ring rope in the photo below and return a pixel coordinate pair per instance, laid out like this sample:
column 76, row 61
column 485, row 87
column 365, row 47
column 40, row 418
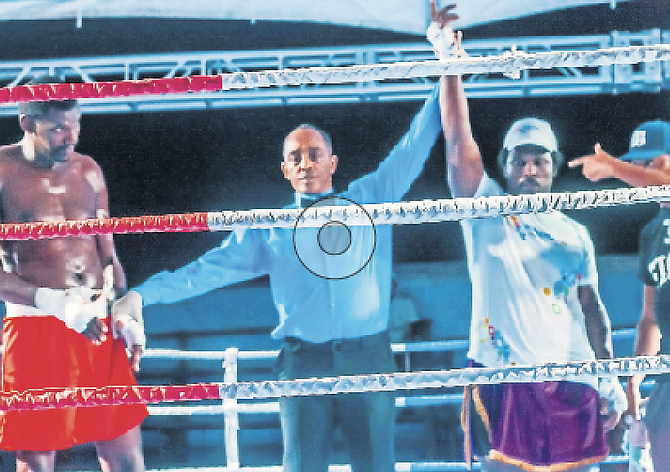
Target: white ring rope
column 431, row 211
column 509, row 63
column 573, row 371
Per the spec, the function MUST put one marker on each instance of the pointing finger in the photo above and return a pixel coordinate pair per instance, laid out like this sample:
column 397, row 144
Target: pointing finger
column 576, row 162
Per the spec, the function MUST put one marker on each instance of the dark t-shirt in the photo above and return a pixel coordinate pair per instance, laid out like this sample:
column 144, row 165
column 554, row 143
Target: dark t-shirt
column 654, row 269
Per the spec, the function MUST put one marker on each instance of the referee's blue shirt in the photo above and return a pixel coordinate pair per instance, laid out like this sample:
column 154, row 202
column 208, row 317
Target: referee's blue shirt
column 316, row 299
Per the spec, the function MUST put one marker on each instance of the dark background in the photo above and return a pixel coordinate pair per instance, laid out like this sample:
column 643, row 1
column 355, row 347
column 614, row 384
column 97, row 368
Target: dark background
column 179, row 162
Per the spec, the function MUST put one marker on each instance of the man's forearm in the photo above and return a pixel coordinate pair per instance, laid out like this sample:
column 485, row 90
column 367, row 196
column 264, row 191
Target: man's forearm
column 597, row 322
column 647, row 338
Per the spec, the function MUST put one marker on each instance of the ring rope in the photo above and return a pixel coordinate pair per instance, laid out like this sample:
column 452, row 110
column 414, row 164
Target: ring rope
column 411, row 212
column 421, row 346
column 50, row 398
column 509, row 63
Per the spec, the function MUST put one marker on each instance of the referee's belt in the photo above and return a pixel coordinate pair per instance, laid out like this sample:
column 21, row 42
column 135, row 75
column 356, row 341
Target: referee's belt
column 345, row 344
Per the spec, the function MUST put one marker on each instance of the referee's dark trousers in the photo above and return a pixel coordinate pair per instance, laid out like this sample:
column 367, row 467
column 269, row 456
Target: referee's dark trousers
column 366, row 419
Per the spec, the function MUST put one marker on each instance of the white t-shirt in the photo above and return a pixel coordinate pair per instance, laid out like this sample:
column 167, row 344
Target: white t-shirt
column 525, row 271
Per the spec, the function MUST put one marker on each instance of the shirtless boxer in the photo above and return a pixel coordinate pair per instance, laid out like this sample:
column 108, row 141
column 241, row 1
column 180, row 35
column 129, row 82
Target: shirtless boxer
column 56, row 332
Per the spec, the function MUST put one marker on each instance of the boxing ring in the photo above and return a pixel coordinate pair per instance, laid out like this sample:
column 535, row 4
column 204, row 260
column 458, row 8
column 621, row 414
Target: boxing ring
column 232, row 393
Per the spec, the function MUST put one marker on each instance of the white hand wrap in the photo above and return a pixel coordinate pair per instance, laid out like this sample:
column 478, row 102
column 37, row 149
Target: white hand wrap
column 611, row 390
column 442, row 40
column 127, row 311
column 76, row 306
column 131, row 331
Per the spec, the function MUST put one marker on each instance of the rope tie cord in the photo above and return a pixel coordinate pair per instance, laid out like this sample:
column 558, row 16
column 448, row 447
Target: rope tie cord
column 412, row 212
column 509, row 63
column 51, row 398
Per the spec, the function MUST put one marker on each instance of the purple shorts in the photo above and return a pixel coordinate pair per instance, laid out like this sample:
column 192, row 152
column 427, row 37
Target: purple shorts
column 536, row 426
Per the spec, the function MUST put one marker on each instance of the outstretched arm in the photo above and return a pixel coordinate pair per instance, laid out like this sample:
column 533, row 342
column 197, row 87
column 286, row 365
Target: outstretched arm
column 464, row 162
column 396, row 173
column 602, row 165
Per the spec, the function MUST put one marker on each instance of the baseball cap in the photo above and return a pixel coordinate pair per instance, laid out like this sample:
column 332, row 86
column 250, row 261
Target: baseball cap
column 531, row 131
column 649, row 140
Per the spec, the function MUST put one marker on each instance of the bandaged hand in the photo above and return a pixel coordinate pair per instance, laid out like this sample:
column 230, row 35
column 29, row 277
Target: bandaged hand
column 442, row 40
column 75, row 306
column 128, row 324
column 440, row 34
column 610, row 389
column 130, row 330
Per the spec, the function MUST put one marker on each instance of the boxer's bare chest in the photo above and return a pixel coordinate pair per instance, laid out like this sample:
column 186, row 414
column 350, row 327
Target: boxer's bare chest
column 31, row 193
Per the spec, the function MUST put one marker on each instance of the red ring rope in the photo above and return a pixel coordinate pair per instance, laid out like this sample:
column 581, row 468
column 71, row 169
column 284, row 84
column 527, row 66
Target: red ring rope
column 126, row 88
column 51, row 398
column 188, row 222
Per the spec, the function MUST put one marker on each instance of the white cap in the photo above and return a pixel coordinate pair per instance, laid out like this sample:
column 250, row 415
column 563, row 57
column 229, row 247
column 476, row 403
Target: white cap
column 531, row 131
